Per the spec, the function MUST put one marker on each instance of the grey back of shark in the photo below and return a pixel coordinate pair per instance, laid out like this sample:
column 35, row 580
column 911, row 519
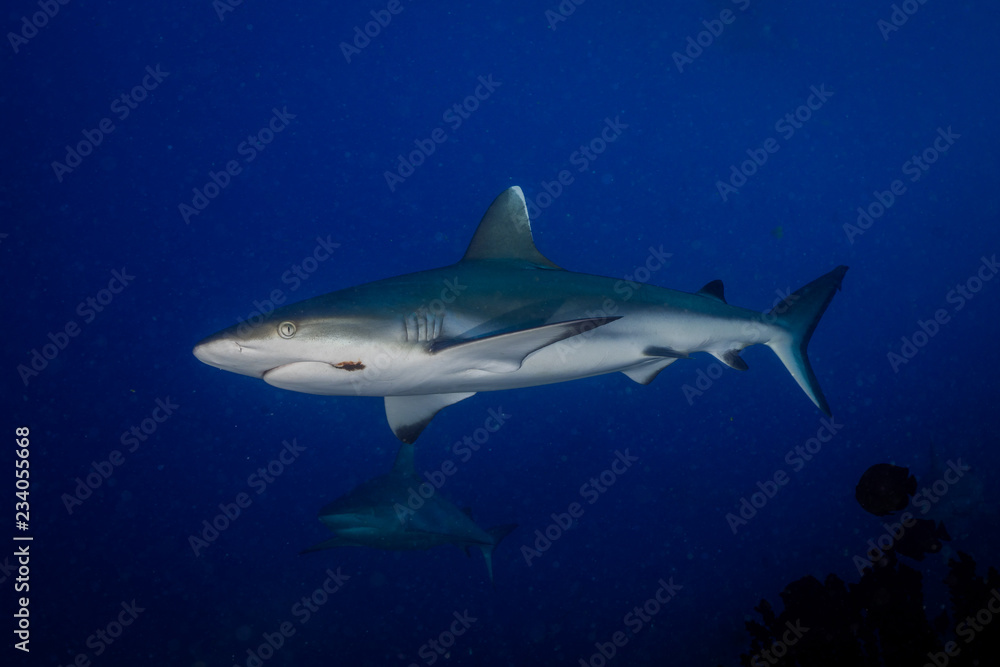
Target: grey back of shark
column 389, row 512
column 505, row 317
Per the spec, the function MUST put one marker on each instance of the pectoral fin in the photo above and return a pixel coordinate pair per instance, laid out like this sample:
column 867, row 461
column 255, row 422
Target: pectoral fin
column 504, row 353
column 499, row 353
column 409, row 415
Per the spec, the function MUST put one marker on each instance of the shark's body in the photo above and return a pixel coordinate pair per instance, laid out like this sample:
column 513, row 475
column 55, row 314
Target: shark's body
column 504, row 317
column 392, row 512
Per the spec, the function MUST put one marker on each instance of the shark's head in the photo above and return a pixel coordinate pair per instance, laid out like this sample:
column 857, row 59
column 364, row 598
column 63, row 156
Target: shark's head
column 365, row 511
column 340, row 515
column 302, row 347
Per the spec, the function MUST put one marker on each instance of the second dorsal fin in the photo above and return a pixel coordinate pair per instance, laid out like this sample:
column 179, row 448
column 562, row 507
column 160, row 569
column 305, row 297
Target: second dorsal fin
column 714, row 290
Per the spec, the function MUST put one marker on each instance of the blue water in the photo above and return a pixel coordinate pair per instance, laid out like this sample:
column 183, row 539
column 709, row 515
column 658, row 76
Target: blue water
column 199, row 79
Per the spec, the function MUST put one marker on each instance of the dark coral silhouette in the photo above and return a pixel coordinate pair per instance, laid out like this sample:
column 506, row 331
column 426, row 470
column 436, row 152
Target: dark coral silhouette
column 881, row 621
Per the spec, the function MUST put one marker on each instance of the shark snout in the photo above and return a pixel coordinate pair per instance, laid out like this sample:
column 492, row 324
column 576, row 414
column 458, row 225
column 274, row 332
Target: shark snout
column 215, row 351
column 226, row 353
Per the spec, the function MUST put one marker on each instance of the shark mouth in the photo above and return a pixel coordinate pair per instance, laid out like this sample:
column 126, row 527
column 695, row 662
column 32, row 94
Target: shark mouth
column 311, row 377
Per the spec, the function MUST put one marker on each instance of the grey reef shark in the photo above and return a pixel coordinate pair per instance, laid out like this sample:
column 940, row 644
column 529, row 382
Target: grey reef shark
column 505, row 317
column 389, row 512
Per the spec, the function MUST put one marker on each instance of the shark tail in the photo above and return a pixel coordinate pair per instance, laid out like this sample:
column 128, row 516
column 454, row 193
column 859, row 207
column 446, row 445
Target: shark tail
column 497, row 533
column 797, row 317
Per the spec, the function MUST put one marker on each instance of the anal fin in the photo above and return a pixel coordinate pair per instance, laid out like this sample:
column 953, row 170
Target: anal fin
column 732, row 359
column 646, row 372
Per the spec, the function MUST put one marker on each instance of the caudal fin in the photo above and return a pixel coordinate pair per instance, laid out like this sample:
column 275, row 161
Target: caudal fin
column 798, row 316
column 497, row 533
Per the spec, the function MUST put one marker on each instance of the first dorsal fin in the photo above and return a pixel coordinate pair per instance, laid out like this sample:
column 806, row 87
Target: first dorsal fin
column 404, row 460
column 714, row 290
column 505, row 232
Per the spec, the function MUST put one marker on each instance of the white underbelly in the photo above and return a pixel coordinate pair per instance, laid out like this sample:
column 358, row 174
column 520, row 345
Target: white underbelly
column 608, row 349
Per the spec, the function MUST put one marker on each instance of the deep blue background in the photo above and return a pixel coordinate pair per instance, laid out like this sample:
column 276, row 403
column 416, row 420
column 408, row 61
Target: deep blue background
column 323, row 176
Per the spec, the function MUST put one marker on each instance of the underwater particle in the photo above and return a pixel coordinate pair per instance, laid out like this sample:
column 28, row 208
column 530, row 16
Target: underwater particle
column 778, row 232
column 885, row 488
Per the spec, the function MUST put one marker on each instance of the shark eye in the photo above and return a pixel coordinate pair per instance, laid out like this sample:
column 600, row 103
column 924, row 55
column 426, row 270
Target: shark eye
column 286, row 329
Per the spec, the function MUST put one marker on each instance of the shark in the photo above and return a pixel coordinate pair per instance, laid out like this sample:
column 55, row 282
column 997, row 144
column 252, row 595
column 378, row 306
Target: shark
column 506, row 317
column 402, row 511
